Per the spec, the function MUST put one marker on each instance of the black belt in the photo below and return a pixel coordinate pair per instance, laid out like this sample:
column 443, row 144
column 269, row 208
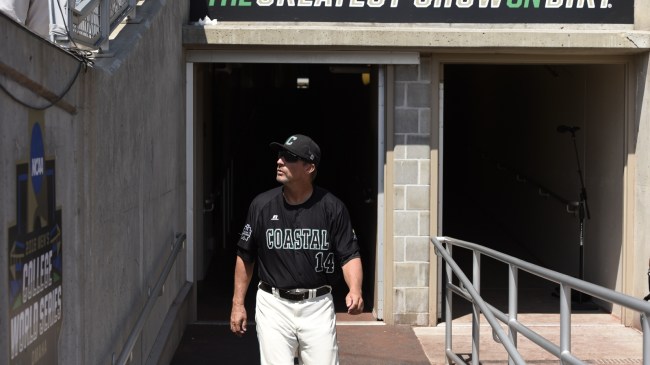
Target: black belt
column 296, row 295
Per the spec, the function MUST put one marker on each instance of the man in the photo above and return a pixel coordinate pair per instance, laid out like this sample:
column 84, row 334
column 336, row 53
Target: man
column 297, row 234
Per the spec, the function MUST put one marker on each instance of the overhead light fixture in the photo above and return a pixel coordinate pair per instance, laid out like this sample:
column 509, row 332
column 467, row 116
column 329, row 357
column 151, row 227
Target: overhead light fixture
column 302, row 83
column 365, row 78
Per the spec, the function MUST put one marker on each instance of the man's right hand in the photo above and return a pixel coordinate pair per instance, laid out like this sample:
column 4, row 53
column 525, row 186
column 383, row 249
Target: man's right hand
column 238, row 319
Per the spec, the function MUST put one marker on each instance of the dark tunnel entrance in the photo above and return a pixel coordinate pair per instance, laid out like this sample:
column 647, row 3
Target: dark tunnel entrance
column 247, row 106
column 510, row 177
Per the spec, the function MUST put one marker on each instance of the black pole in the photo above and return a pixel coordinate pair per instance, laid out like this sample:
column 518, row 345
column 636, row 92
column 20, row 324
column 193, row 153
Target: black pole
column 583, row 212
column 583, row 207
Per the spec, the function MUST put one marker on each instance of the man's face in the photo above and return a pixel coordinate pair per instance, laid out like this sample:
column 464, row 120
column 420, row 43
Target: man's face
column 290, row 168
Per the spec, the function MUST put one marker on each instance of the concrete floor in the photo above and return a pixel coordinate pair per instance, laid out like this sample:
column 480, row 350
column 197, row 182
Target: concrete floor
column 597, row 338
column 362, row 341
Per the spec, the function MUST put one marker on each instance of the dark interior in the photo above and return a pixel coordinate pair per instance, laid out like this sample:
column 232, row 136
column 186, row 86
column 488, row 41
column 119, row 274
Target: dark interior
column 509, row 174
column 248, row 106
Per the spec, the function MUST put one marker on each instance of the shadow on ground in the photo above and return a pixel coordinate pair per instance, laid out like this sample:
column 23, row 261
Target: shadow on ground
column 358, row 345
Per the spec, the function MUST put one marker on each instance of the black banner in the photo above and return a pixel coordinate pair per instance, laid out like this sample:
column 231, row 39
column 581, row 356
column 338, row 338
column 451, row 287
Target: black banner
column 419, row 11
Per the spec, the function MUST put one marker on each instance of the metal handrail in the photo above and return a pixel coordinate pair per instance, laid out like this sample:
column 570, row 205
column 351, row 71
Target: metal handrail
column 470, row 291
column 125, row 355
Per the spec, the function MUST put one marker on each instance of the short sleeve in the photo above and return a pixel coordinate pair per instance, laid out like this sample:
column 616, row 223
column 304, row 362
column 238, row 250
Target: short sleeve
column 247, row 245
column 346, row 245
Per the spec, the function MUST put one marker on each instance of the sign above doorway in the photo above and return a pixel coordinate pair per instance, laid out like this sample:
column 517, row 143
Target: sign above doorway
column 420, row 11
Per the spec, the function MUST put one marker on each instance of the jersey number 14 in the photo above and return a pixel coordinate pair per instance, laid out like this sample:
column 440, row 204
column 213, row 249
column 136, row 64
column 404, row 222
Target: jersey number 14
column 326, row 264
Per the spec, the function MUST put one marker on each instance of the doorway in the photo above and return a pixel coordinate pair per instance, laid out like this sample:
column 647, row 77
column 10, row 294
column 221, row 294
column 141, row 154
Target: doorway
column 245, row 106
column 510, row 170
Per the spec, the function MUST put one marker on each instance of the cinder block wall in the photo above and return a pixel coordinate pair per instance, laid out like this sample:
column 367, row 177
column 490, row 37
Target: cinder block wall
column 412, row 189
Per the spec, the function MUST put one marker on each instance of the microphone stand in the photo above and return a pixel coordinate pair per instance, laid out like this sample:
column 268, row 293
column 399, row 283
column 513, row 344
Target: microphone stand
column 583, row 212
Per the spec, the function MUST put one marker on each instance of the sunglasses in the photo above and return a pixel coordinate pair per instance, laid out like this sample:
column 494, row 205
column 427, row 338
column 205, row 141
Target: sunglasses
column 288, row 156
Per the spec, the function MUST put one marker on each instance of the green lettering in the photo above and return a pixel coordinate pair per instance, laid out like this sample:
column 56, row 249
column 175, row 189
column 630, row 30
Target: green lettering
column 525, row 3
column 211, row 3
column 244, row 3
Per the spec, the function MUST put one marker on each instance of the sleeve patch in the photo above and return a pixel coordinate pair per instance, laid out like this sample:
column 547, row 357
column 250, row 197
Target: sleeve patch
column 246, row 233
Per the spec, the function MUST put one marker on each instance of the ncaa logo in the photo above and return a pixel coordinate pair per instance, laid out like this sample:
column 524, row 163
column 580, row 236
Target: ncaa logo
column 246, row 233
column 36, row 159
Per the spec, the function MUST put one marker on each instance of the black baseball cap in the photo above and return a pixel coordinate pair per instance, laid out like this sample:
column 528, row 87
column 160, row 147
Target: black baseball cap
column 301, row 146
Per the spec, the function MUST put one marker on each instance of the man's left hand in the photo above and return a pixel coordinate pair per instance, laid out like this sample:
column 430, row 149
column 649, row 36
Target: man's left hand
column 354, row 302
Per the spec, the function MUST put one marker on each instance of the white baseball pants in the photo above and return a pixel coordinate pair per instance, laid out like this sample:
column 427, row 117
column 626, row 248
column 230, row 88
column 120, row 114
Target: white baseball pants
column 286, row 329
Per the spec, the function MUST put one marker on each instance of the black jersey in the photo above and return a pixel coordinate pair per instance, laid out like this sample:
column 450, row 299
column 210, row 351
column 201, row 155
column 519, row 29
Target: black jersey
column 298, row 246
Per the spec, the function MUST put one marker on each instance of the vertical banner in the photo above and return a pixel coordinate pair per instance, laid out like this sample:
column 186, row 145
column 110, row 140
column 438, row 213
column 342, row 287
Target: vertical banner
column 35, row 258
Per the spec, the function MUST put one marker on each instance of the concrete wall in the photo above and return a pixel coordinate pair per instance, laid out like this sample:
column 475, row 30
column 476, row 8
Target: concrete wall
column 636, row 257
column 605, row 126
column 120, row 165
column 33, row 58
column 641, row 15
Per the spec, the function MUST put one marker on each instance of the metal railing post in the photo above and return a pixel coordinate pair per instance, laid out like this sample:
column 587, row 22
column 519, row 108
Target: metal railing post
column 448, row 305
column 645, row 326
column 476, row 312
column 513, row 287
column 467, row 291
column 565, row 321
